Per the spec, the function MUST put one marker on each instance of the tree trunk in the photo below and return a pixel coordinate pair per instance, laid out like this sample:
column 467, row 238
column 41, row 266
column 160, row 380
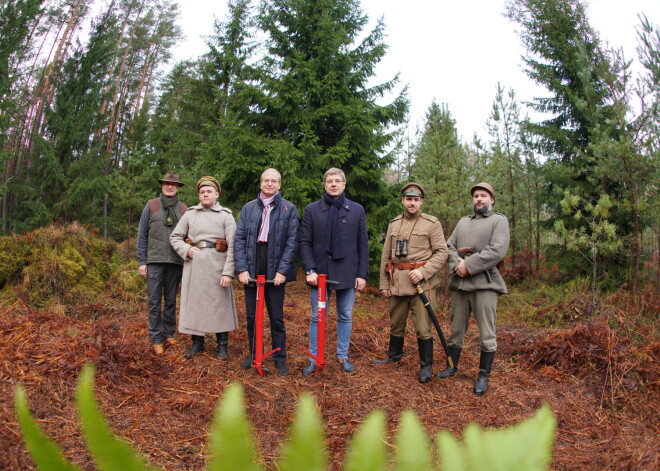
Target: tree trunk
column 537, row 255
column 636, row 246
column 594, row 272
column 512, row 187
column 105, row 215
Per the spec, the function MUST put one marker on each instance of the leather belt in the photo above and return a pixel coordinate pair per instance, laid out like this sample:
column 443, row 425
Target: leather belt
column 409, row 266
column 204, row 245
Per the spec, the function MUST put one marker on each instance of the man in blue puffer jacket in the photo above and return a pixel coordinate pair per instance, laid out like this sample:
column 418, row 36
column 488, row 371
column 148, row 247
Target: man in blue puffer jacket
column 265, row 243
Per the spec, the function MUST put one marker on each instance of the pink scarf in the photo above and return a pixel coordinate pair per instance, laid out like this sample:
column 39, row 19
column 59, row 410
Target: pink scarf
column 265, row 218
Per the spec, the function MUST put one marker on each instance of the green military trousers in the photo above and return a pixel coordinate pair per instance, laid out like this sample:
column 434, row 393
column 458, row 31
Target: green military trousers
column 399, row 307
column 483, row 304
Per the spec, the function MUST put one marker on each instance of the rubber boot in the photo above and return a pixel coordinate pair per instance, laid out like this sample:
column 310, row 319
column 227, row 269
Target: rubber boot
column 394, row 352
column 455, row 355
column 485, row 364
column 197, row 346
column 223, row 340
column 425, row 359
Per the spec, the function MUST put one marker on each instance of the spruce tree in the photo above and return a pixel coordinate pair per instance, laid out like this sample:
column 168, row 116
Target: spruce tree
column 69, row 162
column 18, row 19
column 235, row 150
column 565, row 55
column 441, row 166
column 310, row 105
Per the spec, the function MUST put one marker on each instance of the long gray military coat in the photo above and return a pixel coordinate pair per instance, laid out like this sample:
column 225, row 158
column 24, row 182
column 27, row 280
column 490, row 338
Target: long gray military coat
column 205, row 305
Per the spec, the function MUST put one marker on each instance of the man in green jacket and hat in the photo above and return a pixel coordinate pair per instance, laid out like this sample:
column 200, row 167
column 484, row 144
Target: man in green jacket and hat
column 158, row 262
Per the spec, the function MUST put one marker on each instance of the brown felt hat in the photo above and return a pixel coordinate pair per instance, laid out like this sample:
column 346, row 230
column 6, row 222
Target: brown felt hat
column 170, row 177
column 413, row 189
column 483, row 186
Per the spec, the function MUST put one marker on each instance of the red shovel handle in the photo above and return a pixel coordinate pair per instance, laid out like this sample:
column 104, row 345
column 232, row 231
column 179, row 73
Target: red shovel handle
column 319, row 358
column 259, row 326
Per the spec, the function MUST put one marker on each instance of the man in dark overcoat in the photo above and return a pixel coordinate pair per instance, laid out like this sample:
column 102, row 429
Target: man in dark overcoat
column 334, row 242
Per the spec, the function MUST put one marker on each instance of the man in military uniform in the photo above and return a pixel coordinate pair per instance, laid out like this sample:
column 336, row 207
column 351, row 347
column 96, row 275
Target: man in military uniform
column 415, row 251
column 158, row 262
column 479, row 242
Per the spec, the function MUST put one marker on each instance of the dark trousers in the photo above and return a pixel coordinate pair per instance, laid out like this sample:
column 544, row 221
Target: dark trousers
column 274, row 300
column 162, row 285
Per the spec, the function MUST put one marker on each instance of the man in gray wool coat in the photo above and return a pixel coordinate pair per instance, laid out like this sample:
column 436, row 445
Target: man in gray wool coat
column 476, row 246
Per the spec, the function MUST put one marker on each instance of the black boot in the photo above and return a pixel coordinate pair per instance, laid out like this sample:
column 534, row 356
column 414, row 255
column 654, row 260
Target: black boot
column 223, row 340
column 485, row 364
column 197, row 346
column 425, row 359
column 455, row 355
column 394, row 352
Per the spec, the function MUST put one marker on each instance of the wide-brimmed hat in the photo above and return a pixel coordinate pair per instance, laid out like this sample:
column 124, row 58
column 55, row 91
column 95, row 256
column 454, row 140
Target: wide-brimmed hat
column 413, row 189
column 170, row 177
column 483, row 186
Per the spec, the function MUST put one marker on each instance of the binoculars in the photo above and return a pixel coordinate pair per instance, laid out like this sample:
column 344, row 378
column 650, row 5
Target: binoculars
column 401, row 248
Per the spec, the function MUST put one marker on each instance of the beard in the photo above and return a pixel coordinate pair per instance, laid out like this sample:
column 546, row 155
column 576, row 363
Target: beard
column 483, row 210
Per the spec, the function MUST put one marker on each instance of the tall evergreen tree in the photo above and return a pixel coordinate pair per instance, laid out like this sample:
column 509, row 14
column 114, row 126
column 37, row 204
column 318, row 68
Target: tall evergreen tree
column 181, row 120
column 311, row 107
column 565, row 55
column 649, row 121
column 18, row 19
column 506, row 170
column 235, row 150
column 441, row 165
column 69, row 159
column 632, row 155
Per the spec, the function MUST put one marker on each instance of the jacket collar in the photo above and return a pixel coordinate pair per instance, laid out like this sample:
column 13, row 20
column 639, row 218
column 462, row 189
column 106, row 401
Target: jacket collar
column 346, row 206
column 489, row 213
column 216, row 207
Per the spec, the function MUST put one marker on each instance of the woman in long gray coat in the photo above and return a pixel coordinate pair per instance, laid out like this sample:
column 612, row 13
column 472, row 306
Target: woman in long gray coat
column 204, row 238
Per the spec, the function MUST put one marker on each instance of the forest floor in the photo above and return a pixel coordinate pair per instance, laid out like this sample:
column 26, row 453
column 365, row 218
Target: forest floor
column 604, row 388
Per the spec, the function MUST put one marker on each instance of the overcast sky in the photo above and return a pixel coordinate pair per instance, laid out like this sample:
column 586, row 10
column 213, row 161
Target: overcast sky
column 451, row 51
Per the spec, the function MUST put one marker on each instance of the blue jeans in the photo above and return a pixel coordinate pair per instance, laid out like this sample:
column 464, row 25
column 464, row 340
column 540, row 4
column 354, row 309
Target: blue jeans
column 345, row 298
